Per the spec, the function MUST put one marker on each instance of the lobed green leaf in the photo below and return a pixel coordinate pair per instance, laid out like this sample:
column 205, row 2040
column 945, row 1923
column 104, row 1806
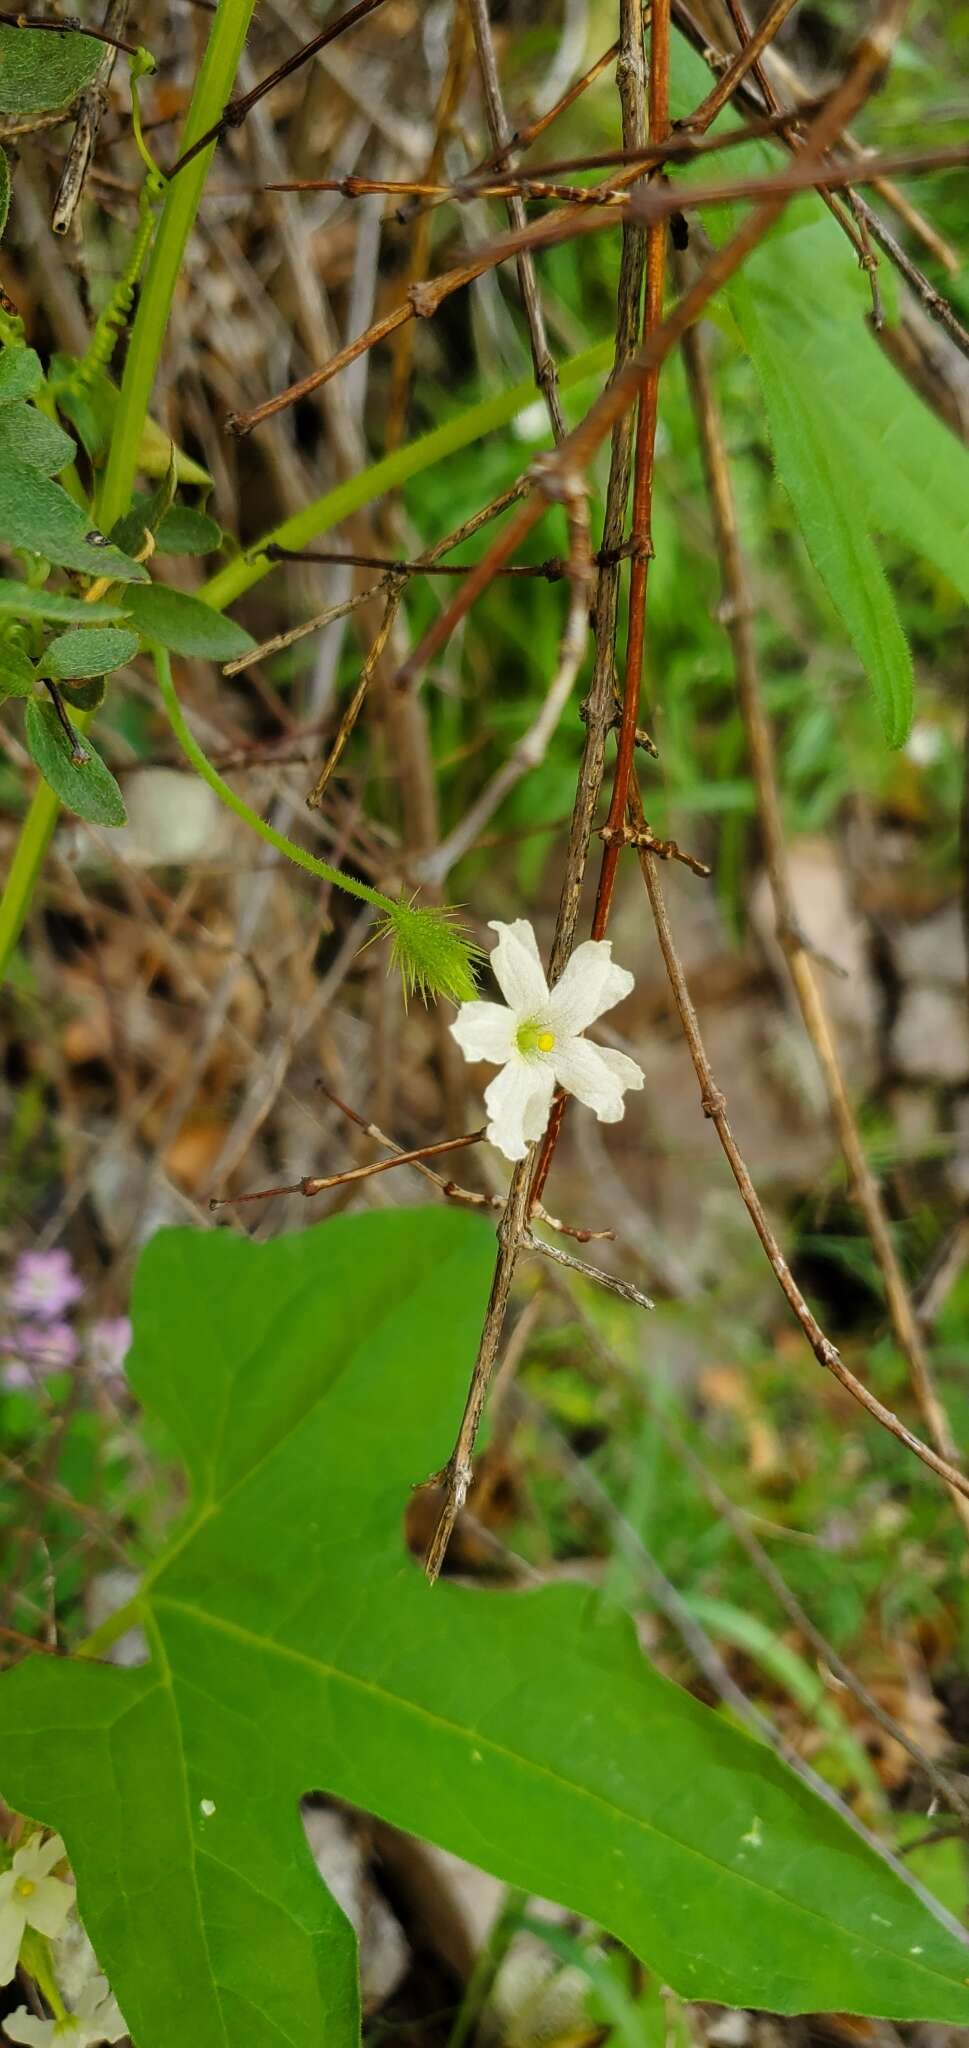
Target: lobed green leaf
column 295, row 1646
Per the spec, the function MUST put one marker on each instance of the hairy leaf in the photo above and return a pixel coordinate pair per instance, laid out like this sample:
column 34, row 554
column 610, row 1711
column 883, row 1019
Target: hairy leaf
column 37, row 514
column 89, row 403
column 186, row 625
column 295, row 1645
column 16, row 671
column 146, row 514
column 27, row 437
column 89, row 788
column 24, row 601
column 85, row 696
column 4, row 189
column 21, row 373
column 39, row 70
column 185, row 530
column 94, row 652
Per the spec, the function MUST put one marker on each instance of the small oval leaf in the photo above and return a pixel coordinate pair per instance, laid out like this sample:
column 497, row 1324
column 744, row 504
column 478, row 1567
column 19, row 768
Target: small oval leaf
column 21, row 373
column 88, row 696
column 186, row 625
column 39, row 69
column 27, row 437
column 90, row 653
column 16, row 672
column 89, row 788
column 37, row 514
column 187, row 531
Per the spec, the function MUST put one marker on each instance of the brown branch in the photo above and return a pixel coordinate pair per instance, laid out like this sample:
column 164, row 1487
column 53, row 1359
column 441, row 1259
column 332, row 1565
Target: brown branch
column 736, row 72
column 715, row 1107
column 737, row 614
column 316, row 1184
column 233, row 115
column 90, row 113
column 543, row 364
column 57, row 27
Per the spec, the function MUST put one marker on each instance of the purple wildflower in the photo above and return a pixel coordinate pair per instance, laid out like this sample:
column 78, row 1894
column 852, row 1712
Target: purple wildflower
column 39, row 1349
column 44, row 1285
column 108, row 1344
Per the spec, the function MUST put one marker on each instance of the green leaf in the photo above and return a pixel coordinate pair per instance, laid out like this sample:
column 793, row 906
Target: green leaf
column 185, row 530
column 87, row 696
column 295, row 1645
column 186, row 625
column 27, row 437
column 24, row 601
column 16, row 671
column 811, row 462
column 92, row 653
column 37, row 514
column 21, row 373
column 90, row 404
column 89, row 788
column 39, row 70
column 128, row 532
column 4, row 190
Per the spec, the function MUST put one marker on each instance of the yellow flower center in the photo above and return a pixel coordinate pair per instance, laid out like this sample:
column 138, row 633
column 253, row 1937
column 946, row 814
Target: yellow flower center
column 530, row 1039
column 26, row 1887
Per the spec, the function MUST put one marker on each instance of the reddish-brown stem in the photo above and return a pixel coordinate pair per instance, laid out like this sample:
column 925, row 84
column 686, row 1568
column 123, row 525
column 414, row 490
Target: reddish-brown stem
column 316, row 1184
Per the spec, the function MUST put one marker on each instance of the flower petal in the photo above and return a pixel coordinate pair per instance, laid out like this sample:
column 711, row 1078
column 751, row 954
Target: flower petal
column 589, row 986
column 597, row 1076
column 24, row 2026
column 517, row 968
column 485, row 1031
column 42, row 1859
column 12, row 1924
column 49, row 1906
column 518, row 1101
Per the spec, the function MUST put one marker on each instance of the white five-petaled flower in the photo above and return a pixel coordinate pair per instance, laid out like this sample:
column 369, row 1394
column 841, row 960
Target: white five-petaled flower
column 96, row 2017
column 537, row 1041
column 31, row 1897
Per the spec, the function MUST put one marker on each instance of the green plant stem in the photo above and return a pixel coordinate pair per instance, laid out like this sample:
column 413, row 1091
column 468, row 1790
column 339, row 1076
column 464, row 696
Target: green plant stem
column 305, row 526
column 203, row 766
column 213, row 88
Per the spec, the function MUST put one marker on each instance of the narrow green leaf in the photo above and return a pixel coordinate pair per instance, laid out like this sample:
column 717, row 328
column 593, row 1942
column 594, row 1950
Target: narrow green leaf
column 24, row 601
column 295, row 1645
column 88, row 788
column 27, row 437
column 21, row 373
column 186, row 625
column 812, row 466
column 90, row 404
column 37, row 514
column 94, row 652
column 16, row 671
column 185, row 530
column 39, row 70
column 4, row 190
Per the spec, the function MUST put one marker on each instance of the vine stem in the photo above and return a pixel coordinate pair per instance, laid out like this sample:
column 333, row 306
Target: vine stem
column 213, row 87
column 233, row 802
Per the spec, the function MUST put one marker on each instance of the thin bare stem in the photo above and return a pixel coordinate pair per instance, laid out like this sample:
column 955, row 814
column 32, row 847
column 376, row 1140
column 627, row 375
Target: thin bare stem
column 737, row 613
column 316, row 1184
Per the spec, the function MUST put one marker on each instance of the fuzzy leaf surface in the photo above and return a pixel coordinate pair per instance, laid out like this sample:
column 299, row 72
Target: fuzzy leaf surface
column 88, row 787
column 37, row 514
column 26, row 436
column 186, row 625
column 40, row 70
column 93, row 651
column 295, row 1645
